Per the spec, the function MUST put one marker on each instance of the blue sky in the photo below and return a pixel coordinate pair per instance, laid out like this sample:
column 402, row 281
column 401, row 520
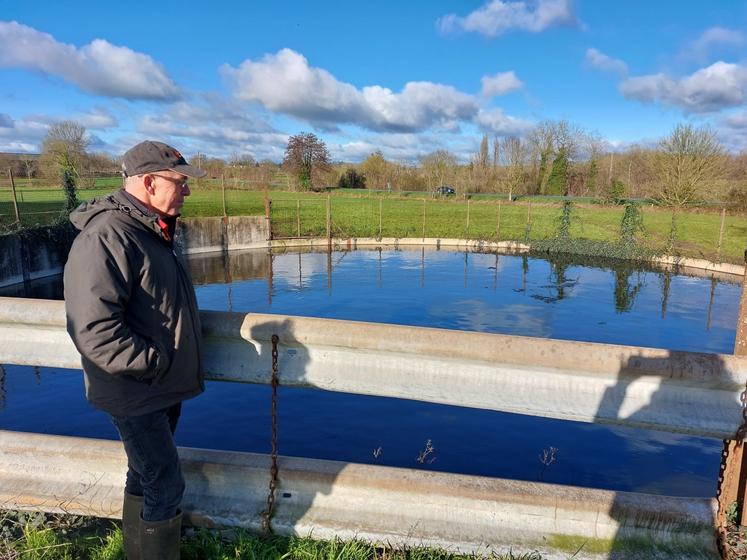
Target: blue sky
column 403, row 77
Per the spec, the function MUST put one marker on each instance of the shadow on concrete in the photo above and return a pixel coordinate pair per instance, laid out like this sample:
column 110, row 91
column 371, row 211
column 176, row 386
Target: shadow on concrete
column 667, row 519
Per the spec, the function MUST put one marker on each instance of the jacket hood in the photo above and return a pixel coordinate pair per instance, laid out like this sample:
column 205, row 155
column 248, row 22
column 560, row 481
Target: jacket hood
column 118, row 203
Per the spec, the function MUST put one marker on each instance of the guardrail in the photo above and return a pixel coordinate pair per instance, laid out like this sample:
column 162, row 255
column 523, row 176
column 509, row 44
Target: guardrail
column 683, row 392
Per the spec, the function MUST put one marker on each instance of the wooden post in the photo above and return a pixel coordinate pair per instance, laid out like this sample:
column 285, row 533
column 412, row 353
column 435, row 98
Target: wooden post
column 423, row 219
column 268, row 216
column 733, row 479
column 498, row 223
column 721, row 234
column 329, row 221
column 467, row 232
column 223, row 193
column 298, row 217
column 380, row 202
column 15, row 199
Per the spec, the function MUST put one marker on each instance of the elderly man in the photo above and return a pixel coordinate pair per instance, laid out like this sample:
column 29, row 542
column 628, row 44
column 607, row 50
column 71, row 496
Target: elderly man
column 132, row 314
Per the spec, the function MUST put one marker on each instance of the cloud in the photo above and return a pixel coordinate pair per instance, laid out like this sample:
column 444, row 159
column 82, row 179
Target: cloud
column 23, row 135
column 98, row 67
column 97, row 118
column 497, row 122
column 285, row 83
column 5, row 121
column 712, row 39
column 501, row 83
column 500, row 16
column 599, row 60
column 215, row 126
column 710, row 89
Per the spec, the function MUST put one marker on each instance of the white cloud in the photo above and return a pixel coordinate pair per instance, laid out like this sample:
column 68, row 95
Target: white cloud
column 500, row 16
column 710, row 89
column 23, row 135
column 710, row 40
column 97, row 118
column 497, row 122
column 5, row 121
column 286, row 83
column 501, row 83
column 405, row 148
column 601, row 61
column 215, row 126
column 98, row 67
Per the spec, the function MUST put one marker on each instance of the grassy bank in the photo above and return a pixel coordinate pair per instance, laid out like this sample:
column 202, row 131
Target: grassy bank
column 38, row 536
column 692, row 233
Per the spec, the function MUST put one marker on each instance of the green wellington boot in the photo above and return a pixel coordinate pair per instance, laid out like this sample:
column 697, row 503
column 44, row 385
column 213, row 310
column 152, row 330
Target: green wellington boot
column 131, row 508
column 160, row 540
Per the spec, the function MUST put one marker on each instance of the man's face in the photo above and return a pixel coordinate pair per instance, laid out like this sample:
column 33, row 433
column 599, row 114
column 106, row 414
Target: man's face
column 168, row 192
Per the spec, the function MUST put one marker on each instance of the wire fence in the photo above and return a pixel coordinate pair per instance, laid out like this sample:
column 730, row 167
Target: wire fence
column 714, row 234
column 711, row 235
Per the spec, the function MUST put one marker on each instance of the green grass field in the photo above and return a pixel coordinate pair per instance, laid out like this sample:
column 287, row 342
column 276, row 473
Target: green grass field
column 361, row 213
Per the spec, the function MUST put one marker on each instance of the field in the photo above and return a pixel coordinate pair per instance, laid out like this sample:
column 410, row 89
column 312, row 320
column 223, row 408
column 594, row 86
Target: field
column 356, row 213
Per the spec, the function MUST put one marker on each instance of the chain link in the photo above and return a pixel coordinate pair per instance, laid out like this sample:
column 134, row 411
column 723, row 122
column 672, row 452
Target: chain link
column 267, row 514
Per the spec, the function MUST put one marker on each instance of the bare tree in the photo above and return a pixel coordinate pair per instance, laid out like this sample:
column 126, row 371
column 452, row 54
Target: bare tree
column 307, row 158
column 515, row 156
column 64, row 147
column 686, row 159
column 438, row 166
column 376, row 169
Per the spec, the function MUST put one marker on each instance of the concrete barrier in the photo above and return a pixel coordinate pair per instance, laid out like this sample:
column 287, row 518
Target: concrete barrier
column 381, row 504
column 651, row 388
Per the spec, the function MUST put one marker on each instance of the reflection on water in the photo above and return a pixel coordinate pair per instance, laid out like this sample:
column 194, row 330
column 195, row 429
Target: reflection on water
column 603, row 301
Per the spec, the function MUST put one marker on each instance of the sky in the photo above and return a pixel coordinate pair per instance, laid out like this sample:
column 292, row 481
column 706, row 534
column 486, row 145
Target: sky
column 235, row 78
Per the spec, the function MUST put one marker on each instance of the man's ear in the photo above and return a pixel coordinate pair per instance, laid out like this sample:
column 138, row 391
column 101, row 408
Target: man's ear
column 148, row 183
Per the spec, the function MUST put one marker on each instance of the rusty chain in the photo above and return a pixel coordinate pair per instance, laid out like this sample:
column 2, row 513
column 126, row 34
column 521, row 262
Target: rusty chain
column 725, row 478
column 267, row 513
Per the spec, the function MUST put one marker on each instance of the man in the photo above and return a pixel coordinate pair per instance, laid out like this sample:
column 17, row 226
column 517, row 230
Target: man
column 132, row 314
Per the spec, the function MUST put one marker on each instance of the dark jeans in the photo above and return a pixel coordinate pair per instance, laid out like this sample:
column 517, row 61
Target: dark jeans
column 153, row 469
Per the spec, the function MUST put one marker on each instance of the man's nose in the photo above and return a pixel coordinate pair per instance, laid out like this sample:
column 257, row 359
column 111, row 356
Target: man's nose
column 185, row 190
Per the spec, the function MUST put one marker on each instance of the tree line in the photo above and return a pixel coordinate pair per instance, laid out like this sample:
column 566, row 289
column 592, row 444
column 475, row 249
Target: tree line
column 556, row 158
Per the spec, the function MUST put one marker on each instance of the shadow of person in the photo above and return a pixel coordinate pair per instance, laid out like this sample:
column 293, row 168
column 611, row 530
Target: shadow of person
column 678, row 388
column 231, row 489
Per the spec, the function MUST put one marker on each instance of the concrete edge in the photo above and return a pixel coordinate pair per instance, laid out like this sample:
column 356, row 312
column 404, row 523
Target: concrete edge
column 328, row 498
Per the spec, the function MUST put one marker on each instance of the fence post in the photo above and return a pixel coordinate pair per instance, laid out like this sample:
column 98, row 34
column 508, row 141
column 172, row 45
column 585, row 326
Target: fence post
column 733, row 476
column 528, row 228
column 15, row 199
column 423, row 219
column 466, row 234
column 380, row 203
column 721, row 235
column 329, row 221
column 498, row 223
column 223, row 193
column 298, row 217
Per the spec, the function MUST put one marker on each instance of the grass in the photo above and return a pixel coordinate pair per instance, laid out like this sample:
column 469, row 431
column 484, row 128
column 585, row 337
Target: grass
column 357, row 213
column 35, row 540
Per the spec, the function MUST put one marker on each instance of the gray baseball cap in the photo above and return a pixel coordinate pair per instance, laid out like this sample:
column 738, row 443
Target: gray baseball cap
column 151, row 156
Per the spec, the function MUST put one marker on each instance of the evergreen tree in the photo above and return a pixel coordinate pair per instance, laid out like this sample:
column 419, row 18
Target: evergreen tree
column 557, row 183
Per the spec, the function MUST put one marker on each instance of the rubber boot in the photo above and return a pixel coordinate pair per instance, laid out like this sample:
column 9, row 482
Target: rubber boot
column 160, row 540
column 131, row 508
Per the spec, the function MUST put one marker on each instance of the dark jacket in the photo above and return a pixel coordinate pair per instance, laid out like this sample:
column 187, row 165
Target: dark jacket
column 131, row 309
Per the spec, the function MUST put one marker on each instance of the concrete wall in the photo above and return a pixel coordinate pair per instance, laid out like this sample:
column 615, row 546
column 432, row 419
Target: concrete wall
column 684, row 392
column 204, row 235
column 328, row 499
column 21, row 261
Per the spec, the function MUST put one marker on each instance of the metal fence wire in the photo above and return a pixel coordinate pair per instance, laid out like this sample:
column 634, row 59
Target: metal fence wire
column 707, row 235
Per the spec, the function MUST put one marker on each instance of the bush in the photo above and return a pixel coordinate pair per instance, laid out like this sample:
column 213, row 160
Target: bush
column 616, row 192
column 737, row 199
column 351, row 179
